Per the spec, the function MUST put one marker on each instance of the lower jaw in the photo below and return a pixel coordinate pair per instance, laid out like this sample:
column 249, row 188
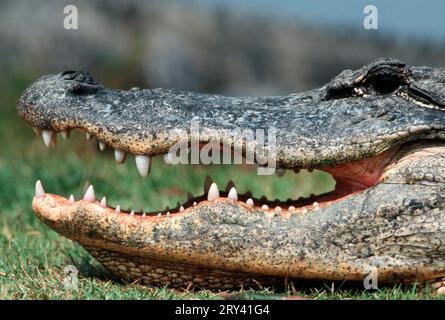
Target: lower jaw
column 157, row 272
column 161, row 271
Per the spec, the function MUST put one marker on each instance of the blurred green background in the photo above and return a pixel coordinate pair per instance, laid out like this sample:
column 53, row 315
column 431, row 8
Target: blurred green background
column 257, row 48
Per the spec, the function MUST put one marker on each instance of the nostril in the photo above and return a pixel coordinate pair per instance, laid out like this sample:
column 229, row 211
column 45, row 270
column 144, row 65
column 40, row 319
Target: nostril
column 78, row 78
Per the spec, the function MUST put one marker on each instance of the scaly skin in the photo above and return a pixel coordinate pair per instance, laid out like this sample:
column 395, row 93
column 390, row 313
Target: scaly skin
column 378, row 130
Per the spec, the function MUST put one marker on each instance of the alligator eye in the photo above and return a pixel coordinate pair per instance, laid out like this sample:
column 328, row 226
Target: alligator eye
column 69, row 75
column 384, row 83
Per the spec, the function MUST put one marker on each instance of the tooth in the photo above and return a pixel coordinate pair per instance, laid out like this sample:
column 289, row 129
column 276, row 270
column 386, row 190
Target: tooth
column 37, row 131
column 40, row 192
column 48, row 137
column 103, row 202
column 315, row 204
column 168, row 158
column 119, row 155
column 181, row 209
column 101, row 146
column 159, row 214
column 280, row 172
column 291, row 209
column 118, row 209
column 233, row 195
column 213, row 192
column 52, row 202
column 249, row 202
column 72, row 200
column 132, row 213
column 89, row 136
column 265, row 207
column 168, row 213
column 65, row 134
column 142, row 164
column 90, row 196
column 143, row 215
column 195, row 204
column 277, row 209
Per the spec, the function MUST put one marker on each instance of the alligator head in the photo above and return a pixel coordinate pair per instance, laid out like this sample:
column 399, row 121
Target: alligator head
column 379, row 131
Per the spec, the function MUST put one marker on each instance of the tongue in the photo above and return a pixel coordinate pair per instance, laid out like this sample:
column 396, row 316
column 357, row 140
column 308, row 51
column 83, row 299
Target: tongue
column 359, row 175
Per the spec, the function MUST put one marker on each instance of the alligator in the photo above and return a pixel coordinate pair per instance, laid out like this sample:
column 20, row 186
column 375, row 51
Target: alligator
column 379, row 131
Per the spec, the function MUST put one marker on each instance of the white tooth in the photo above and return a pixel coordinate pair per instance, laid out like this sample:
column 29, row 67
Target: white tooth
column 142, row 164
column 48, row 137
column 143, row 215
column 40, row 192
column 90, row 196
column 181, row 209
column 249, row 202
column 101, row 146
column 132, row 213
column 233, row 195
column 72, row 200
column 291, row 208
column 103, row 202
column 277, row 209
column 159, row 214
column 119, row 155
column 37, row 131
column 89, row 136
column 65, row 134
column 168, row 213
column 167, row 158
column 265, row 207
column 52, row 202
column 213, row 192
column 195, row 204
column 315, row 204
column 118, row 210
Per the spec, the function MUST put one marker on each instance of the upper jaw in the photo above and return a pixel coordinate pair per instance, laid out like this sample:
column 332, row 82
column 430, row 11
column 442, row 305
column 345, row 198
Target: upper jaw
column 313, row 129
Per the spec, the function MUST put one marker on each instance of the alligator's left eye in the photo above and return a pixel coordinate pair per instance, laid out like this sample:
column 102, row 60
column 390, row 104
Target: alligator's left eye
column 385, row 83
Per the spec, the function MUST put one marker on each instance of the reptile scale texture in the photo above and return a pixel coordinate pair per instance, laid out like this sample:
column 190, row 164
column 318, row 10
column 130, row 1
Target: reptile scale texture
column 379, row 131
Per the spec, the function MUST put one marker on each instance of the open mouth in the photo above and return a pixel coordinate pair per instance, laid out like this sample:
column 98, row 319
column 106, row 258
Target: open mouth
column 350, row 178
column 381, row 149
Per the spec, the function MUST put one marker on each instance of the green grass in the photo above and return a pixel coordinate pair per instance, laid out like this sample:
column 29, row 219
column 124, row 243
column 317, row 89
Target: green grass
column 33, row 257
